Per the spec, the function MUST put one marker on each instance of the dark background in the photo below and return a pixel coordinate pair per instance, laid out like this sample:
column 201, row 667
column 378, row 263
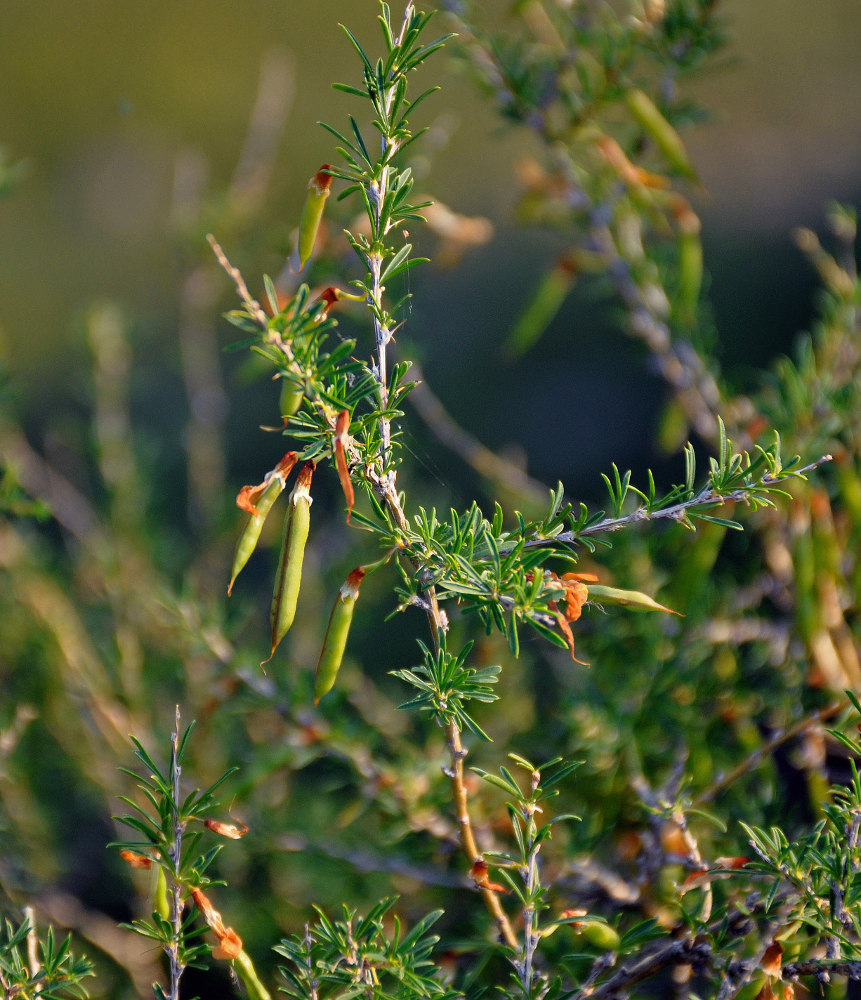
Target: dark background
column 105, row 98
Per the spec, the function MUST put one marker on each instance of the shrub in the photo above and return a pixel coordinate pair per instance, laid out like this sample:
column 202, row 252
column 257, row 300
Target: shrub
column 669, row 817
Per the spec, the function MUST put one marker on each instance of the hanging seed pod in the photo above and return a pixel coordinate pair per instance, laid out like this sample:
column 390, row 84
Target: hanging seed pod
column 312, row 213
column 337, row 631
column 296, row 525
column 665, row 137
column 548, row 299
column 258, row 500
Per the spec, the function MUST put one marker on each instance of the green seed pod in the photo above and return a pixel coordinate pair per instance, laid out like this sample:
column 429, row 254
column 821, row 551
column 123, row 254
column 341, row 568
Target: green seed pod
column 244, row 968
column 627, row 599
column 690, row 277
column 160, row 901
column 258, row 500
column 545, row 305
column 599, row 934
column 665, row 137
column 248, row 541
column 291, row 396
column 337, row 631
column 289, row 578
column 690, row 251
column 312, row 213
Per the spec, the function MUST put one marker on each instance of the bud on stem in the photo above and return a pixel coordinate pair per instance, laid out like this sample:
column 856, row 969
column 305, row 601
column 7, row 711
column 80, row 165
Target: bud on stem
column 599, row 934
column 337, row 631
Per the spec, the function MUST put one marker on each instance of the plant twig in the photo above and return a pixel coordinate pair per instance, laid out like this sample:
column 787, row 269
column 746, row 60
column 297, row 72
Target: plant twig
column 695, row 951
column 386, row 483
column 753, row 760
column 816, row 966
column 177, row 966
column 467, row 837
column 251, row 304
column 675, row 512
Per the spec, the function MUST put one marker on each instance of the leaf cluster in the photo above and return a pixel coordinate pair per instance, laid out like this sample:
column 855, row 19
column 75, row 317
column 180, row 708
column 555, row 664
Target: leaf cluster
column 163, row 822
column 445, row 684
column 820, row 872
column 382, row 186
column 59, row 974
column 356, row 956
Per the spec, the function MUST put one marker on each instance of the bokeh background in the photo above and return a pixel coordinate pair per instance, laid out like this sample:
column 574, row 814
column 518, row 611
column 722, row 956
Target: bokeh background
column 116, row 105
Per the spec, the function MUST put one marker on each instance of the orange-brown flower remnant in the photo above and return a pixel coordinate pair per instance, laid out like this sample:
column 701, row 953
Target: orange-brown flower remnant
column 342, row 427
column 229, row 943
column 630, row 173
column 478, row 874
column 248, row 497
column 230, row 830
column 329, row 296
column 576, row 595
column 723, row 868
column 258, row 501
column 136, row 860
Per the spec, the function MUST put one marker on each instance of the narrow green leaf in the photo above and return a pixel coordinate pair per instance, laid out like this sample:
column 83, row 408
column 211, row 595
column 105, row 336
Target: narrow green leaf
column 359, row 49
column 347, row 89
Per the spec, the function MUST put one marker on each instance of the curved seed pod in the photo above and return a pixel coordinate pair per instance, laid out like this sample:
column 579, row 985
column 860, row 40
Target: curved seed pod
column 337, row 631
column 258, row 500
column 665, row 137
column 289, row 578
column 312, row 213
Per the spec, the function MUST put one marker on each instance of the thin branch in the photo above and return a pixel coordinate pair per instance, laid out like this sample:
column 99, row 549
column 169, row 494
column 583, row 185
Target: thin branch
column 675, row 512
column 367, row 861
column 467, row 837
column 251, row 304
column 694, row 951
column 753, row 760
column 815, row 967
column 177, row 966
column 275, row 93
column 386, row 484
